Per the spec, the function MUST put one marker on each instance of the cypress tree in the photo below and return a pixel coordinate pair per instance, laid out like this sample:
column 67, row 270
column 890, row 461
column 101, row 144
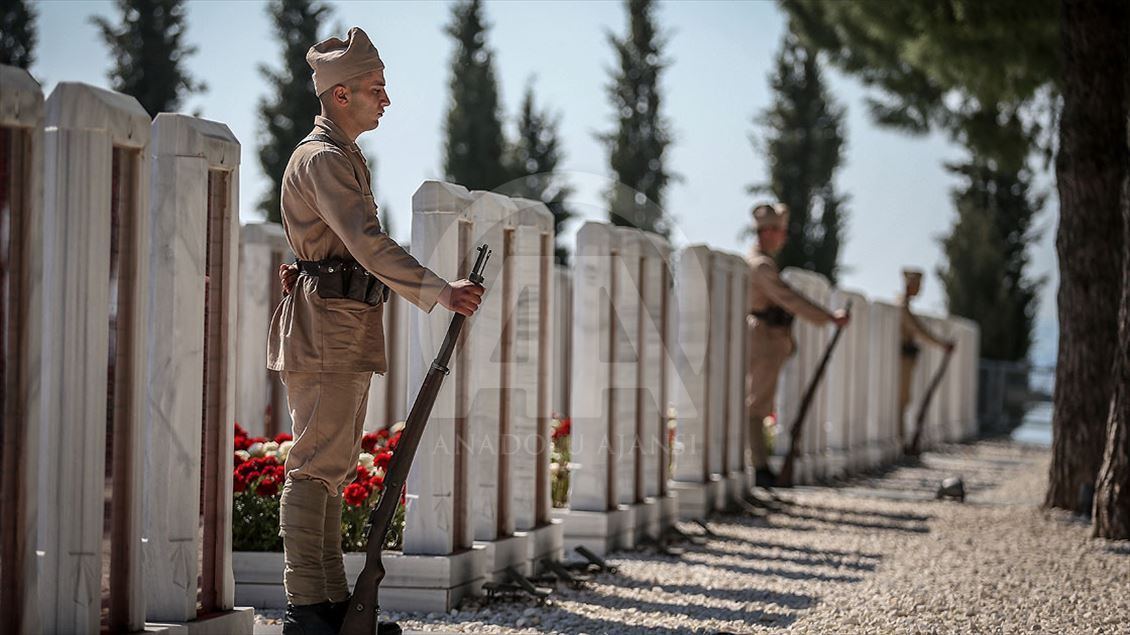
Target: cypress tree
column 149, row 53
column 533, row 163
column 288, row 113
column 804, row 139
column 17, row 33
column 986, row 251
column 473, row 150
column 637, row 147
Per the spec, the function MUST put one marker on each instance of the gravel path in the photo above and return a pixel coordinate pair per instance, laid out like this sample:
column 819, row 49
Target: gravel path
column 875, row 555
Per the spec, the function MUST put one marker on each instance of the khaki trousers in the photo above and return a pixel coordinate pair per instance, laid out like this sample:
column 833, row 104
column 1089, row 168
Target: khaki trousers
column 769, row 349
column 906, row 374
column 328, row 410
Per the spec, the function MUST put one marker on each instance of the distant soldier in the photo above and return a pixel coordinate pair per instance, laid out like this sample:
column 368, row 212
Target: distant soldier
column 772, row 307
column 911, row 330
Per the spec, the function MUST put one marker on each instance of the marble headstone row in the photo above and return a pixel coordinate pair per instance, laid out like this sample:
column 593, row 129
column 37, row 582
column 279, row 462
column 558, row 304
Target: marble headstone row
column 121, row 396
column 622, row 329
column 853, row 423
column 478, row 496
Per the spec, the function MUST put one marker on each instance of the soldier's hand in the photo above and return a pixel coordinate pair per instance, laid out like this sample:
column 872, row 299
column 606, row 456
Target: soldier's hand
column 288, row 276
column 841, row 317
column 462, row 297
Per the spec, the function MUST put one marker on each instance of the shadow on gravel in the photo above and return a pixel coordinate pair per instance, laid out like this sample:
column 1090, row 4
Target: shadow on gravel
column 1119, row 548
column 906, row 517
column 803, row 560
column 765, row 544
column 859, row 524
column 778, row 572
column 785, row 600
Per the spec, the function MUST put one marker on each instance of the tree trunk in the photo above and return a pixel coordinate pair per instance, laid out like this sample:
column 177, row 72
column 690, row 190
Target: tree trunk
column 1089, row 169
column 1112, row 495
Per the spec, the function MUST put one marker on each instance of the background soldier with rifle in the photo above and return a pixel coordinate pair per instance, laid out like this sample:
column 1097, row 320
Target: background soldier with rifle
column 773, row 306
column 327, row 335
column 911, row 330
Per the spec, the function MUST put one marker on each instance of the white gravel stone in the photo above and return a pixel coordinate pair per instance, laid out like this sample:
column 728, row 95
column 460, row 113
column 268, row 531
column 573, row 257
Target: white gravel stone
column 874, row 555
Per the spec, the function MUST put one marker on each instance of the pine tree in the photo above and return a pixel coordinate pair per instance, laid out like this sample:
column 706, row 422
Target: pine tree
column 149, row 53
column 17, row 33
column 804, row 140
column 986, row 256
column 288, row 114
column 533, row 162
column 637, row 147
column 473, row 151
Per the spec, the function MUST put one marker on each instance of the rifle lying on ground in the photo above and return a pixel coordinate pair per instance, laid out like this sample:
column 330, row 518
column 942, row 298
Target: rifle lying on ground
column 785, row 477
column 914, row 448
column 361, row 618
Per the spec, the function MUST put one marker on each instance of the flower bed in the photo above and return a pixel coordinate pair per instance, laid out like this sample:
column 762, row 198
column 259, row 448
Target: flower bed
column 258, row 479
column 559, row 461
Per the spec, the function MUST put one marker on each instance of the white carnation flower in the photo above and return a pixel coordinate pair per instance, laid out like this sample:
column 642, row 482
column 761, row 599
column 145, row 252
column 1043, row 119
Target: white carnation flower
column 396, row 427
column 257, row 449
column 284, row 449
column 270, row 447
column 243, row 454
column 365, row 459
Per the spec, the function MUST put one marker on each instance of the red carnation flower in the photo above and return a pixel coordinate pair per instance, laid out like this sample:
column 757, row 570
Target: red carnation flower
column 238, row 483
column 267, row 487
column 362, row 474
column 369, row 442
column 377, row 482
column 238, row 459
column 356, row 494
column 239, row 431
column 563, row 429
column 394, row 440
column 382, row 459
column 283, row 436
column 382, row 433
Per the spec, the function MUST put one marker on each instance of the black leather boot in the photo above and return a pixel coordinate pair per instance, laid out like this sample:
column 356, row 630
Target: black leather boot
column 307, row 619
column 766, row 478
column 334, row 614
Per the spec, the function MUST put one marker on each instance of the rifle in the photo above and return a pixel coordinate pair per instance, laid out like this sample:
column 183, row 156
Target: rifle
column 785, row 477
column 913, row 448
column 361, row 617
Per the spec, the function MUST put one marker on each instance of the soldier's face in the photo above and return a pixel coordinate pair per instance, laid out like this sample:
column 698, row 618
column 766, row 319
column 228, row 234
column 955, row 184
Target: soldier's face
column 369, row 100
column 771, row 239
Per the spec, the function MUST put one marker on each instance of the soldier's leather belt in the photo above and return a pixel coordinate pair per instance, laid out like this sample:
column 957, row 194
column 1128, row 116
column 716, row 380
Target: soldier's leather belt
column 774, row 316
column 343, row 278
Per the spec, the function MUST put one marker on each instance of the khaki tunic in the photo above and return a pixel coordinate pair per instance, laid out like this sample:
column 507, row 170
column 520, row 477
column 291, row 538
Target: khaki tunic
column 328, row 211
column 328, row 349
column 770, row 346
column 911, row 330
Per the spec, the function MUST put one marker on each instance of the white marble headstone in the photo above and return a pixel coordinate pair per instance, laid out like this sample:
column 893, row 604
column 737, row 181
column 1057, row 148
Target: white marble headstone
column 185, row 150
column 84, row 126
column 21, row 115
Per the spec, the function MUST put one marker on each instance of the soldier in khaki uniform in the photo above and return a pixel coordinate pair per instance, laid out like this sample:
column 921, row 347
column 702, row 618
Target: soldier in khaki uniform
column 326, row 336
column 911, row 330
column 772, row 307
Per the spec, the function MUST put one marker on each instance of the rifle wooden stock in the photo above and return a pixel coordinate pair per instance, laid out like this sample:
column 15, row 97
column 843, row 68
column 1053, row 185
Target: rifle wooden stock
column 915, row 442
column 364, row 605
column 785, row 477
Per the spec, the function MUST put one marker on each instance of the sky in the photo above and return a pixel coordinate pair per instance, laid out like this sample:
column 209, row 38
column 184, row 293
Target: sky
column 721, row 56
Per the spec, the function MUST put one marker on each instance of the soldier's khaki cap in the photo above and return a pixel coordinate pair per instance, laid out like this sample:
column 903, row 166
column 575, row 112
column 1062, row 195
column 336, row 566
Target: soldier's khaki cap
column 766, row 216
column 336, row 61
column 911, row 275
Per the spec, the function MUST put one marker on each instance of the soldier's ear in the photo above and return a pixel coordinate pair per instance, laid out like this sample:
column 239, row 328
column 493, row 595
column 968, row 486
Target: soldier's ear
column 340, row 94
